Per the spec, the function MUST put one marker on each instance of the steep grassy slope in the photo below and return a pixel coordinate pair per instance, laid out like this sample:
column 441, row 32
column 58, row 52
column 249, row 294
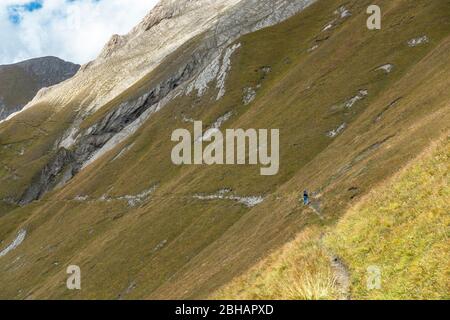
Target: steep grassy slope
column 173, row 245
column 404, row 230
column 401, row 228
column 299, row 270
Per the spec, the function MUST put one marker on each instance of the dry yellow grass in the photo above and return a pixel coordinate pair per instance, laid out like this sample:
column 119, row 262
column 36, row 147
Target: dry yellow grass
column 402, row 228
column 300, row 270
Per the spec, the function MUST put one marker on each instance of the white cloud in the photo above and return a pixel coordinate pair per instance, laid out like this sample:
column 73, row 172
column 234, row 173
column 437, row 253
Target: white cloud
column 73, row 30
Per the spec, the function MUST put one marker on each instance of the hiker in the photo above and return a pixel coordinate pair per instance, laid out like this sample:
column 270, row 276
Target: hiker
column 306, row 197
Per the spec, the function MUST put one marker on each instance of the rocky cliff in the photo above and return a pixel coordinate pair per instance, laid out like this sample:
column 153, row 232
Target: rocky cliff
column 169, row 26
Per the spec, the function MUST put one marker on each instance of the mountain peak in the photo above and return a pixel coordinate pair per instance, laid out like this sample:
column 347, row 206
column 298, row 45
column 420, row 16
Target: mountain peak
column 19, row 82
column 167, row 10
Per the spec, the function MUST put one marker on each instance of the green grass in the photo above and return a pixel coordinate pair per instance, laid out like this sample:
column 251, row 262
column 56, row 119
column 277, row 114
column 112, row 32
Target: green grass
column 300, row 270
column 403, row 229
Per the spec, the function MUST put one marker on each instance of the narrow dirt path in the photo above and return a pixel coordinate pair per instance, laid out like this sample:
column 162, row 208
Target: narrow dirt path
column 340, row 271
column 342, row 276
column 315, row 206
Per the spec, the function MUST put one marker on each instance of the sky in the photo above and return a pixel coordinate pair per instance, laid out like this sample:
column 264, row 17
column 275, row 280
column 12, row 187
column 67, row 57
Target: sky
column 73, row 30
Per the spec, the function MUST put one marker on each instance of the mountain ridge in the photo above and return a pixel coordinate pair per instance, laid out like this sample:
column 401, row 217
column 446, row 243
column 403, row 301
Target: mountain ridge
column 27, row 78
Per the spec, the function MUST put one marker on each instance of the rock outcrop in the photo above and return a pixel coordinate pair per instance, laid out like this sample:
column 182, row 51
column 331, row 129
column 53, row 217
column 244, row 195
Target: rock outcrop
column 222, row 23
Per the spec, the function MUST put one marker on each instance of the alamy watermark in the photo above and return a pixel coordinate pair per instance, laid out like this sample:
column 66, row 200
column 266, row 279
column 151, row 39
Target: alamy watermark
column 373, row 278
column 236, row 146
column 74, row 280
column 374, row 21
